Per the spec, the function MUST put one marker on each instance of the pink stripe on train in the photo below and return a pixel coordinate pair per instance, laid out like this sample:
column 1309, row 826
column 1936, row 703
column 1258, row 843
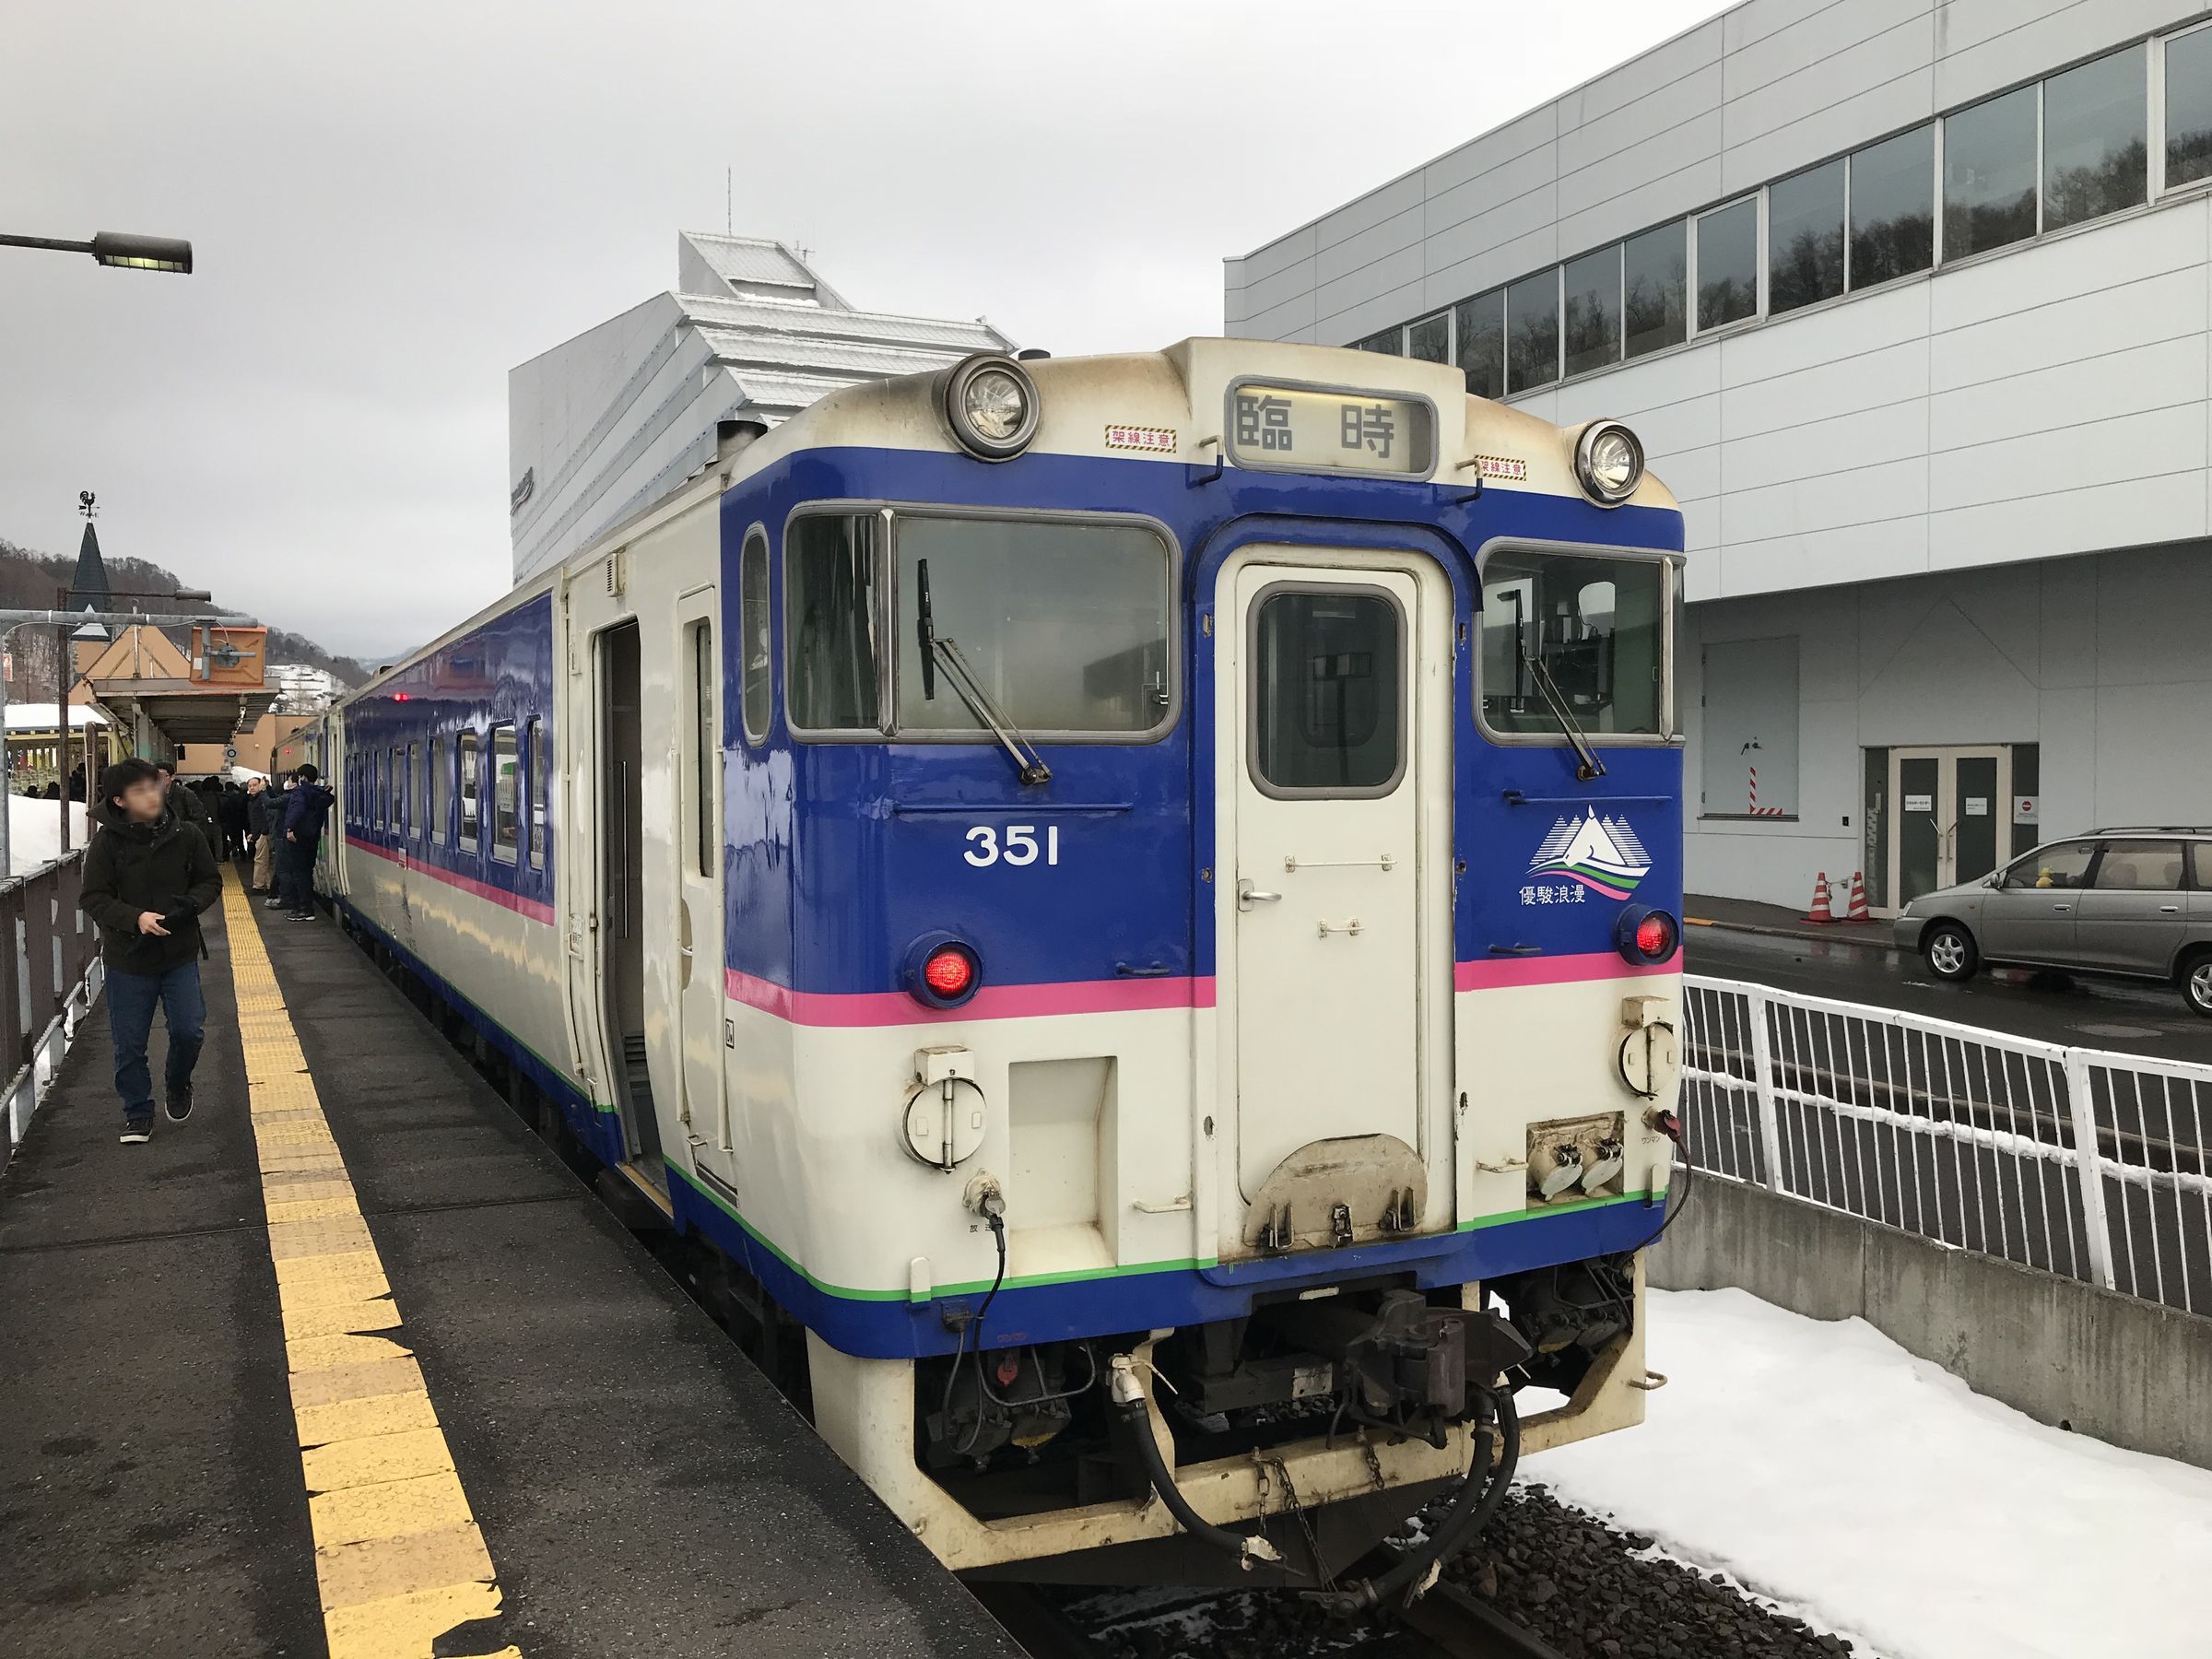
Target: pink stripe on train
column 534, row 909
column 1500, row 971
column 993, row 1001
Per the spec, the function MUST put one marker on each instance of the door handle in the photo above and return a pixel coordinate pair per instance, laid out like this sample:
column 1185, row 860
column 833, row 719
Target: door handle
column 2062, row 907
column 1249, row 895
column 2170, row 910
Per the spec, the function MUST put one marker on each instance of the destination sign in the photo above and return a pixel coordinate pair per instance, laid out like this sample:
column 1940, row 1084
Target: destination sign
column 1293, row 428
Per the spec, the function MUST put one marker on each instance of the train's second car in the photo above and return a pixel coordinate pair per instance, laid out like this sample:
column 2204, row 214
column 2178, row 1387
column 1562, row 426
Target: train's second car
column 1127, row 905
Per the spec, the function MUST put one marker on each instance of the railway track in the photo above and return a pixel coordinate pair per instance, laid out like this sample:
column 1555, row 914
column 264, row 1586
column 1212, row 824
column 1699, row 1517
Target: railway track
column 1448, row 1623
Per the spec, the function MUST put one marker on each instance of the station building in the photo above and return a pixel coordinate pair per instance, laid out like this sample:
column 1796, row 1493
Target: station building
column 605, row 424
column 1909, row 300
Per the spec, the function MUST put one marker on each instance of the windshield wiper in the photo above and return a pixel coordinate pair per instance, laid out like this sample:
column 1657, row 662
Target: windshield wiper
column 1028, row 766
column 1589, row 766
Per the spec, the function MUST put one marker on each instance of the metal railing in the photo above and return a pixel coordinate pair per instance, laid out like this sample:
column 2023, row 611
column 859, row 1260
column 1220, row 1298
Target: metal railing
column 50, row 973
column 2078, row 1161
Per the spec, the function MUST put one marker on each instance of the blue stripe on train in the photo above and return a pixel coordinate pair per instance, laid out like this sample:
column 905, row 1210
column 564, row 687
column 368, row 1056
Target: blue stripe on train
column 894, row 1327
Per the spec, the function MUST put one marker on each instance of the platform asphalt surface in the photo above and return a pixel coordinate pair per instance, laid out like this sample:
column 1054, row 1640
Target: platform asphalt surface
column 2079, row 1013
column 638, row 1485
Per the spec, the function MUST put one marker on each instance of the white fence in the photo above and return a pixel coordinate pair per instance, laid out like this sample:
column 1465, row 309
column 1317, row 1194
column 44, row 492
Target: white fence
column 2079, row 1162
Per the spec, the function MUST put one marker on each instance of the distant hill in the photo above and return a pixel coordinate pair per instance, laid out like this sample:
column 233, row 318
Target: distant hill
column 30, row 580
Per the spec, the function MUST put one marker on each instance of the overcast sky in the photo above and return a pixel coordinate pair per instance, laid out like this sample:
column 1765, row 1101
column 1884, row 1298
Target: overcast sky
column 393, row 202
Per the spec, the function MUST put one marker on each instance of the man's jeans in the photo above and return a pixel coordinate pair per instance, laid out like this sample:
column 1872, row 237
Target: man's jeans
column 131, row 999
column 296, row 875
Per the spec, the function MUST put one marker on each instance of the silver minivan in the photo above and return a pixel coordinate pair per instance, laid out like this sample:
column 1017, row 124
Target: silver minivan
column 2132, row 902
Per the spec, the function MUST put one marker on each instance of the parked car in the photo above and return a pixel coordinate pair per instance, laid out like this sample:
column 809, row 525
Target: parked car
column 2134, row 903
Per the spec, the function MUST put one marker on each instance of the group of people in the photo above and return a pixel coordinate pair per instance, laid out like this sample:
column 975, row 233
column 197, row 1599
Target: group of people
column 150, row 872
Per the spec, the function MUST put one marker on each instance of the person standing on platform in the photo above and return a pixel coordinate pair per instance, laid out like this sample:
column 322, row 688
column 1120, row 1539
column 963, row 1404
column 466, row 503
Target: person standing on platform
column 185, row 803
column 258, row 836
column 148, row 875
column 305, row 807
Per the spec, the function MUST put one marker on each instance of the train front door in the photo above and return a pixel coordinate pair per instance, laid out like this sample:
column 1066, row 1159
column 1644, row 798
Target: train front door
column 1334, row 757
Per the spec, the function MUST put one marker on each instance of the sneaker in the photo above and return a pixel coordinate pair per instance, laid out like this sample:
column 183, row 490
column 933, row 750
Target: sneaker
column 136, row 1132
column 272, row 903
column 178, row 1106
column 303, row 916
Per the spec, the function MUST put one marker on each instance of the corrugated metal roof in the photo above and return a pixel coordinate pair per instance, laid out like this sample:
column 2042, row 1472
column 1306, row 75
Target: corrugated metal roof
column 855, row 359
column 751, row 259
column 873, row 326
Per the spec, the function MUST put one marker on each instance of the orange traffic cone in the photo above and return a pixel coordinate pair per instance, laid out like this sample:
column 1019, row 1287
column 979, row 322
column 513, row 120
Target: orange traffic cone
column 1858, row 910
column 1820, row 913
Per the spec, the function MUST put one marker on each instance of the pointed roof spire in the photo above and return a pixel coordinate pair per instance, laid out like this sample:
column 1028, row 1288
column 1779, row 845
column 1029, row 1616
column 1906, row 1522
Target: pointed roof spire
column 89, row 591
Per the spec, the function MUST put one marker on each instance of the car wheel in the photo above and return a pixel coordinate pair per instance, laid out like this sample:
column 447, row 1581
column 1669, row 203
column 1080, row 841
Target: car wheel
column 1950, row 952
column 2196, row 985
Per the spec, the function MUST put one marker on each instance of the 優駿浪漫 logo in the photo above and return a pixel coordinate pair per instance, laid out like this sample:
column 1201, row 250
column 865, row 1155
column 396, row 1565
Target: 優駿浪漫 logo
column 1603, row 854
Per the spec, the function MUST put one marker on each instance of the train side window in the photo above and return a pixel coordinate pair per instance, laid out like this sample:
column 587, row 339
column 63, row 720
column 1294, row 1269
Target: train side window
column 442, row 793
column 467, row 743
column 831, row 615
column 418, row 789
column 1327, row 697
column 384, row 785
column 506, row 796
column 540, row 781
column 758, row 690
column 399, row 790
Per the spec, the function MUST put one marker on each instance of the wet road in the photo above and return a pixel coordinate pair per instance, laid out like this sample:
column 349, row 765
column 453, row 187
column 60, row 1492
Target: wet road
column 2085, row 1013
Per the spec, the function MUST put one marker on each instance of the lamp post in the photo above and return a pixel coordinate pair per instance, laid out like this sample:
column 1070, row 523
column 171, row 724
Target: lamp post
column 120, row 248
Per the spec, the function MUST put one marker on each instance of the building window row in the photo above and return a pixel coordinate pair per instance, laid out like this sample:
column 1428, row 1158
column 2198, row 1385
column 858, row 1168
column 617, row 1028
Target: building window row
column 2066, row 150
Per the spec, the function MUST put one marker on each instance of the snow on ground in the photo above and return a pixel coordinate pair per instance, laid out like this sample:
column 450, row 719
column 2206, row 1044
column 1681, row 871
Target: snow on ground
column 34, row 831
column 1822, row 1465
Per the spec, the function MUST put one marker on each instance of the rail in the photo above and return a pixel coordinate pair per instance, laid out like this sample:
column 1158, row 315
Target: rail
column 2078, row 1161
column 50, row 973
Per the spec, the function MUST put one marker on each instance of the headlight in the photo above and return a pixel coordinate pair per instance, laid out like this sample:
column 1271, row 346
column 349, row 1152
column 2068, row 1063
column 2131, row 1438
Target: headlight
column 1609, row 462
column 989, row 405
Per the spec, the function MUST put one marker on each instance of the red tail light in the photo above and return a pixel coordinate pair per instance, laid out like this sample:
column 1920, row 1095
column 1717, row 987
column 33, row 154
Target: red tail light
column 949, row 971
column 942, row 971
column 1646, row 936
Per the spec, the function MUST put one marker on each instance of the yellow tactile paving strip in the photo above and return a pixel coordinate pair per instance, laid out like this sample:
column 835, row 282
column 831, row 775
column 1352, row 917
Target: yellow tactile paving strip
column 398, row 1557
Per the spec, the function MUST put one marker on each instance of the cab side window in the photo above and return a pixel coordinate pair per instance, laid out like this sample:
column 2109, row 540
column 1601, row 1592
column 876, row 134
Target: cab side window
column 2200, row 854
column 2065, row 866
column 2140, row 866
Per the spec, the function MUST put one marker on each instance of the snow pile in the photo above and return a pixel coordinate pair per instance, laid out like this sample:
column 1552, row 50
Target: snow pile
column 1822, row 1465
column 34, row 832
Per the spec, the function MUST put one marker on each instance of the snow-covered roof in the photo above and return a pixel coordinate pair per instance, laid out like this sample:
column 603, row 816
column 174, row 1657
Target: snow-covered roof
column 44, row 716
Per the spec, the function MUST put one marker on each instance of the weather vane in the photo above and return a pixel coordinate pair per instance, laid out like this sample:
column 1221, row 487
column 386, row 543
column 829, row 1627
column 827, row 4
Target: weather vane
column 84, row 503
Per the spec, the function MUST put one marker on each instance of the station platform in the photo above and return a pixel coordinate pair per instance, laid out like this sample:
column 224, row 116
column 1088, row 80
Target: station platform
column 351, row 1363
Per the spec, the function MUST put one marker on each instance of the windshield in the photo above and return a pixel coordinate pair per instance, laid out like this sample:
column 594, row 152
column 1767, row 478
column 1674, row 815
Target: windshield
column 1065, row 626
column 1595, row 625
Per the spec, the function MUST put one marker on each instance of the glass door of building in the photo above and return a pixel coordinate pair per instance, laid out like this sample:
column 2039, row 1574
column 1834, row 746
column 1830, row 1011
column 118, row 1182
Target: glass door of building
column 1945, row 827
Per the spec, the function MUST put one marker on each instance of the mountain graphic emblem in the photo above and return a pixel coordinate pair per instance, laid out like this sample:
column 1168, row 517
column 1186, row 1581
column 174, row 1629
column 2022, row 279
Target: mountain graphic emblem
column 1602, row 853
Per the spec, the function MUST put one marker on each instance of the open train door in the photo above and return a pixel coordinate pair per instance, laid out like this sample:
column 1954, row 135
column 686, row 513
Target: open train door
column 1334, row 956
column 604, row 924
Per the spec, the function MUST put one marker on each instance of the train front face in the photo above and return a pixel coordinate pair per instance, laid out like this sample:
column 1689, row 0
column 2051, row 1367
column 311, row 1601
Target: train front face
column 1218, row 888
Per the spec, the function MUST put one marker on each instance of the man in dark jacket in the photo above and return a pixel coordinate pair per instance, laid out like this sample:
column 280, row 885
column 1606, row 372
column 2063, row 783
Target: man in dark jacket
column 147, row 878
column 306, row 804
column 183, row 801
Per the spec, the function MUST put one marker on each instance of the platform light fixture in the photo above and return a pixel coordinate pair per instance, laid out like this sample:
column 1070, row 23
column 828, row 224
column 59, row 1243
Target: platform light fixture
column 123, row 249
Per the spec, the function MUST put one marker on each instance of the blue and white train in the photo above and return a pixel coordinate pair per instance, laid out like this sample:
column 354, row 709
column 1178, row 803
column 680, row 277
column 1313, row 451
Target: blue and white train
column 1131, row 901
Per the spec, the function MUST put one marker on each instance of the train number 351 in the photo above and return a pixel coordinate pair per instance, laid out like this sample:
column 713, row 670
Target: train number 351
column 1018, row 847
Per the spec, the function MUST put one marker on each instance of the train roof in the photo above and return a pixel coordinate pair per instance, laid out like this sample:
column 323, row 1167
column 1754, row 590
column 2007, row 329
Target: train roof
column 1181, row 395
